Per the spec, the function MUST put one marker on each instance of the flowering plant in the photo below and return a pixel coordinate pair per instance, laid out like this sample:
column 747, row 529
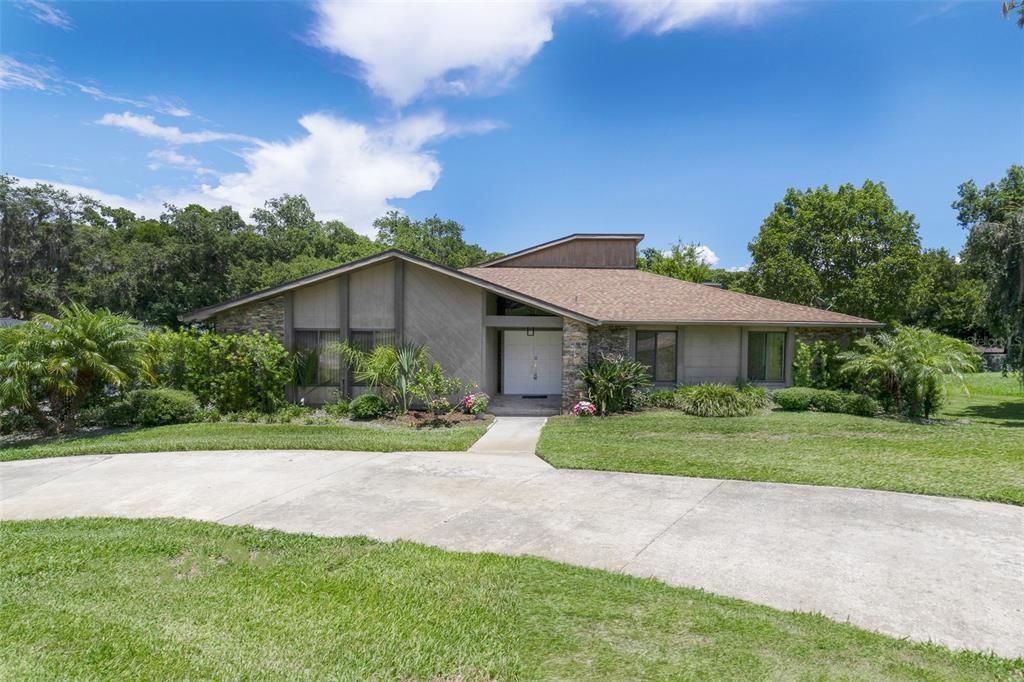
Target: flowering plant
column 584, row 408
column 475, row 403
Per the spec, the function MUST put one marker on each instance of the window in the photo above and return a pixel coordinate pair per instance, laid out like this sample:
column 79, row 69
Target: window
column 766, row 356
column 325, row 364
column 507, row 306
column 368, row 339
column 657, row 350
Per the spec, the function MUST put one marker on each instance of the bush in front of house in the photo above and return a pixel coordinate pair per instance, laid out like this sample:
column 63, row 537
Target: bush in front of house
column 232, row 372
column 338, row 409
column 613, row 383
column 802, row 399
column 158, row 406
column 819, row 365
column 714, row 400
column 758, row 395
column 659, row 397
column 368, row 406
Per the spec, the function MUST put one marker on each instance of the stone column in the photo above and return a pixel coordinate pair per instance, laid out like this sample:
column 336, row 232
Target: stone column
column 575, row 352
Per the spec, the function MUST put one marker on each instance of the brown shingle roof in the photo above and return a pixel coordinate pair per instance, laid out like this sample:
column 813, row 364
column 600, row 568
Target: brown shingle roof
column 622, row 295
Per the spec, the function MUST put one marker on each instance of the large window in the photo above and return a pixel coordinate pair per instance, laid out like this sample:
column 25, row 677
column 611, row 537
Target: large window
column 325, row 361
column 657, row 350
column 766, row 356
column 368, row 339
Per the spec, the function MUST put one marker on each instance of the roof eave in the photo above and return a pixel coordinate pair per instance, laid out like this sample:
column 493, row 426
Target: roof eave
column 748, row 323
column 631, row 236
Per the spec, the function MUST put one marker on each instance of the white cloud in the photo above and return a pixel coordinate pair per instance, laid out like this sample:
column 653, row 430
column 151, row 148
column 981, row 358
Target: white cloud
column 347, row 170
column 707, row 255
column 147, row 127
column 16, row 75
column 663, row 16
column 46, row 13
column 738, row 268
column 407, row 49
column 159, row 158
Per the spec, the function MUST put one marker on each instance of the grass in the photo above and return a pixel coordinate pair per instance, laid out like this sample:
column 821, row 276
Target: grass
column 231, row 436
column 982, row 459
column 156, row 599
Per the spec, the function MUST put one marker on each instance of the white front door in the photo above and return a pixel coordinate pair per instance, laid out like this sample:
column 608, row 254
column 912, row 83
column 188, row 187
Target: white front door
column 532, row 363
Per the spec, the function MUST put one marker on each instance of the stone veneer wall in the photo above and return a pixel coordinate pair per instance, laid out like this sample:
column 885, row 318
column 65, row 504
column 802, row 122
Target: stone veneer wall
column 608, row 341
column 575, row 355
column 264, row 316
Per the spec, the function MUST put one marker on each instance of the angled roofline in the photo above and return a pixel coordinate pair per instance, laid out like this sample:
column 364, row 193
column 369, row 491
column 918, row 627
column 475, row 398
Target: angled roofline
column 632, row 236
column 208, row 311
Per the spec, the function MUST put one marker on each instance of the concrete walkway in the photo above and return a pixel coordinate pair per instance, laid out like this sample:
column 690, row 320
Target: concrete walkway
column 511, row 435
column 909, row 565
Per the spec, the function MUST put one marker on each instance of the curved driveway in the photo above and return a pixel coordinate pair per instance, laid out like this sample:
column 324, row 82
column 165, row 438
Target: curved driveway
column 922, row 567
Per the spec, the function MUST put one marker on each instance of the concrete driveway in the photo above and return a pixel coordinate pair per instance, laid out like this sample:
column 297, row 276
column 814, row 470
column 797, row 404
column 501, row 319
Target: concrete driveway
column 928, row 568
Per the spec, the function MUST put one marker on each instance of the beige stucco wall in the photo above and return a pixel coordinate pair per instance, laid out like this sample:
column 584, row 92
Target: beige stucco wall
column 447, row 315
column 372, row 297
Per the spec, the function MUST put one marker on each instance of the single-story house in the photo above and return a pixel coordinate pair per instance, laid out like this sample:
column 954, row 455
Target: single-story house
column 525, row 324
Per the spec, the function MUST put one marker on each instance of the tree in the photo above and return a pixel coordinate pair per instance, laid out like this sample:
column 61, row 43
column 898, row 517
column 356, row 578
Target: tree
column 61, row 362
column 437, row 240
column 1011, row 6
column 681, row 261
column 851, row 250
column 948, row 297
column 994, row 217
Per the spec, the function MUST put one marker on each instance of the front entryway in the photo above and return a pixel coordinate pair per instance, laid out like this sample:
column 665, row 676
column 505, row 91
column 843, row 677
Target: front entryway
column 531, row 362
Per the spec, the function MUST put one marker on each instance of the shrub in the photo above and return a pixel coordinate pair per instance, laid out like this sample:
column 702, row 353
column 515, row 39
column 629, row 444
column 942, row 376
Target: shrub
column 715, row 400
column 758, row 395
column 818, row 365
column 368, row 406
column 862, row 405
column 390, row 370
column 13, row 421
column 433, row 387
column 288, row 413
column 797, row 399
column 119, row 413
column 157, row 406
column 339, row 408
column 475, row 403
column 613, row 382
column 801, row 399
column 233, row 372
column 661, row 397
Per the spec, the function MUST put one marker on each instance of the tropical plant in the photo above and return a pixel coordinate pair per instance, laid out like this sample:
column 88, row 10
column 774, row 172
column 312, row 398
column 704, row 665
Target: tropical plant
column 368, row 406
column 613, row 383
column 50, row 367
column 304, row 366
column 715, row 400
column 389, row 369
column 907, row 369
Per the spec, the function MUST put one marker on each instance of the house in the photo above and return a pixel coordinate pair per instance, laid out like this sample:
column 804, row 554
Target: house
column 525, row 324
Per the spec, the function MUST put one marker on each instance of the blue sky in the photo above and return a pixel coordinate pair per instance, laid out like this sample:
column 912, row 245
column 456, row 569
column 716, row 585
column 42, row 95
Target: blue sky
column 522, row 121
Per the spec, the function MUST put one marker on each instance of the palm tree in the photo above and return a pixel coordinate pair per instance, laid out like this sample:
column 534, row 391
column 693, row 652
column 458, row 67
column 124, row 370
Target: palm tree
column 910, row 366
column 61, row 361
column 391, row 370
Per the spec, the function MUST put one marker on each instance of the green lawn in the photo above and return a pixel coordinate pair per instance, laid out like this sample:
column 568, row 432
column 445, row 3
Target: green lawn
column 230, row 436
column 158, row 599
column 982, row 459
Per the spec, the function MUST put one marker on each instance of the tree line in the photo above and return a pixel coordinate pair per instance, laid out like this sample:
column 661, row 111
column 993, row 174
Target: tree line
column 849, row 249
column 56, row 247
